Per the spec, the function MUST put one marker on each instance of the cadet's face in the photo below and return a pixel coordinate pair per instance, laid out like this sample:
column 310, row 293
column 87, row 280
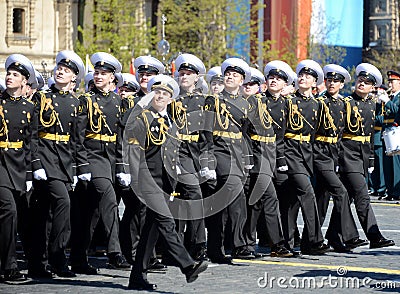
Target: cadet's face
column 125, row 92
column 64, row 75
column 395, row 85
column 250, row 88
column 14, row 79
column 187, row 78
column 103, row 78
column 233, row 79
column 217, row 87
column 363, row 86
column 333, row 86
column 144, row 77
column 306, row 81
column 161, row 99
column 275, row 83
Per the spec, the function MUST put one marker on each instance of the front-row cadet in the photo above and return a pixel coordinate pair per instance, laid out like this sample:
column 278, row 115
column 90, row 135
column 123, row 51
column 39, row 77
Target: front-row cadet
column 356, row 157
column 17, row 125
column 342, row 227
column 261, row 194
column 99, row 119
column 57, row 109
column 151, row 144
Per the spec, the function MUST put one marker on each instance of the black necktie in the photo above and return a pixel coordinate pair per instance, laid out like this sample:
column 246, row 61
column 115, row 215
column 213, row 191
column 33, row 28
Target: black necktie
column 166, row 120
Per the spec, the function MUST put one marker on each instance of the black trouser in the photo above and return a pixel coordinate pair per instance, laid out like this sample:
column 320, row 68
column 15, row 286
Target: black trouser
column 303, row 195
column 50, row 209
column 357, row 188
column 268, row 202
column 159, row 221
column 229, row 189
column 190, row 227
column 342, row 226
column 92, row 201
column 132, row 222
column 13, row 218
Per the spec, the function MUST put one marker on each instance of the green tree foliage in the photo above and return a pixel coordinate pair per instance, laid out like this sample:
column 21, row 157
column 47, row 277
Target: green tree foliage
column 116, row 29
column 202, row 27
column 384, row 60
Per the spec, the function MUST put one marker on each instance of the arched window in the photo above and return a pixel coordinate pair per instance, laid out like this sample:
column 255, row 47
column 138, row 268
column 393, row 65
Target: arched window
column 18, row 21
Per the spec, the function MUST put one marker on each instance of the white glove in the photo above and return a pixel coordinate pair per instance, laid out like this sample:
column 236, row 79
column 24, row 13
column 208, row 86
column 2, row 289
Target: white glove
column 383, row 97
column 40, row 174
column 85, row 177
column 178, row 170
column 124, row 179
column 212, row 175
column 146, row 99
column 370, row 170
column 75, row 181
column 248, row 166
column 283, row 168
column 204, row 172
column 28, row 186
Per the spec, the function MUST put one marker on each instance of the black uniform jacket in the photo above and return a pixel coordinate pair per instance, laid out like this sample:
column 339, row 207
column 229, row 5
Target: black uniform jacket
column 276, row 107
column 356, row 151
column 226, row 121
column 18, row 139
column 99, row 123
column 188, row 113
column 302, row 122
column 151, row 150
column 262, row 135
column 57, row 129
column 331, row 124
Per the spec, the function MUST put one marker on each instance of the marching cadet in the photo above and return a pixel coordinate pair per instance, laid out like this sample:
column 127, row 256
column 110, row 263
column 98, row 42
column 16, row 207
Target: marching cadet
column 355, row 157
column 228, row 117
column 18, row 131
column 279, row 74
column 57, row 110
column 188, row 113
column 261, row 194
column 145, row 68
column 99, row 124
column 216, row 80
column 302, row 121
column 253, row 86
column 342, row 227
column 389, row 107
column 152, row 155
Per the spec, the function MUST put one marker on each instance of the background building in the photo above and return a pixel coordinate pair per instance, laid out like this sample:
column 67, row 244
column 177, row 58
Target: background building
column 304, row 28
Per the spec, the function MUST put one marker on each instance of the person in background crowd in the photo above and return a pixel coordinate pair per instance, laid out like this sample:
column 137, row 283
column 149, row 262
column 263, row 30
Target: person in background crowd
column 253, row 86
column 389, row 106
column 216, row 80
